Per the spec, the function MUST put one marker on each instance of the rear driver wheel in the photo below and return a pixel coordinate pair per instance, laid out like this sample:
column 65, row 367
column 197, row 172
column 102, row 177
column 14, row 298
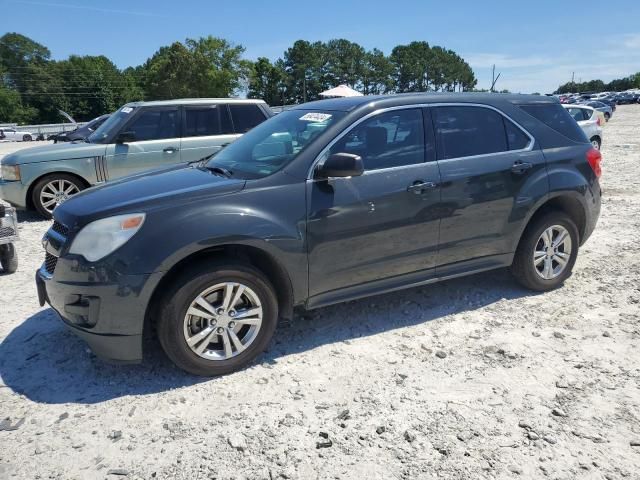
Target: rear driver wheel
column 217, row 318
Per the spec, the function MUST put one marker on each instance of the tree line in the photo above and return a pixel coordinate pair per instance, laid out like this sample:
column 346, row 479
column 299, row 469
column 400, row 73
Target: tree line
column 34, row 87
column 617, row 85
column 306, row 69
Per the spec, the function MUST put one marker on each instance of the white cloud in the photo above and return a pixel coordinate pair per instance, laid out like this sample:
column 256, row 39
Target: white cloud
column 631, row 41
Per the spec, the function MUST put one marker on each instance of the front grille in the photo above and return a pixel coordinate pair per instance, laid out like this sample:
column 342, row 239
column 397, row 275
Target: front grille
column 60, row 228
column 7, row 232
column 50, row 263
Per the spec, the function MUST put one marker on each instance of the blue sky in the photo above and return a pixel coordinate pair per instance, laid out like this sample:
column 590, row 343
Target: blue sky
column 535, row 45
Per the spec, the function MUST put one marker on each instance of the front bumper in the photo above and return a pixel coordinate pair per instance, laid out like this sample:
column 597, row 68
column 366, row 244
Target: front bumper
column 107, row 312
column 14, row 192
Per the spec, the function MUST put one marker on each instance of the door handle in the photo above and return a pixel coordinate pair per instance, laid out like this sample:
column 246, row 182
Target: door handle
column 170, row 149
column 521, row 167
column 418, row 187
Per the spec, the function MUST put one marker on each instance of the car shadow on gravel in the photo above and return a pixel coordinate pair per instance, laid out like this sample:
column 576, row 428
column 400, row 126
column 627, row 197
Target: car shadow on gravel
column 43, row 361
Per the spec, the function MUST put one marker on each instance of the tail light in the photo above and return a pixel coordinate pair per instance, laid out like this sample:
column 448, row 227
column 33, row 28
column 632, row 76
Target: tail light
column 593, row 157
column 599, row 121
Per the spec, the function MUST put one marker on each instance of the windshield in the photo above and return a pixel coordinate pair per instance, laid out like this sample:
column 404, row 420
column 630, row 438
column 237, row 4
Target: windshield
column 273, row 144
column 112, row 124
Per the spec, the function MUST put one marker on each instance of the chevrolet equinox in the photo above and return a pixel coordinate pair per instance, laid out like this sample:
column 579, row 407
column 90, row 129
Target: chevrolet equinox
column 326, row 202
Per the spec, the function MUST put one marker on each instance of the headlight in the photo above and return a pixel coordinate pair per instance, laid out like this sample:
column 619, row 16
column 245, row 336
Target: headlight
column 10, row 172
column 100, row 238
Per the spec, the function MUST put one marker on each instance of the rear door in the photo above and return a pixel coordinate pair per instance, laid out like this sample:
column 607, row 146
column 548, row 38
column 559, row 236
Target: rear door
column 486, row 161
column 206, row 129
column 156, row 133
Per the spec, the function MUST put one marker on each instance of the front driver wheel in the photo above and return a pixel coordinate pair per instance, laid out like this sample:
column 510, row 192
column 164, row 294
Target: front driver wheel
column 52, row 190
column 217, row 318
column 547, row 252
column 26, row 138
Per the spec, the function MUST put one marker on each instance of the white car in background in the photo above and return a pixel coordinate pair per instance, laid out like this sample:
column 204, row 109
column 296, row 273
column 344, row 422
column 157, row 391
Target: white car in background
column 590, row 121
column 12, row 135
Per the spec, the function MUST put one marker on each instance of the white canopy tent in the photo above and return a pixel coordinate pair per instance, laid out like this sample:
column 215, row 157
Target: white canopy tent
column 341, row 91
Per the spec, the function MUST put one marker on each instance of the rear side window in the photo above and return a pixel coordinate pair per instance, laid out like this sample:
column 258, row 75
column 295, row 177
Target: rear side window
column 155, row 124
column 202, row 121
column 516, row 138
column 245, row 117
column 556, row 117
column 467, row 131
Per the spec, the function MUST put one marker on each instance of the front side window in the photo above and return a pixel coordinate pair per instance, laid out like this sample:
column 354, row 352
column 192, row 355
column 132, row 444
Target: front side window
column 274, row 143
column 246, row 116
column 390, row 139
column 463, row 131
column 154, row 124
column 105, row 131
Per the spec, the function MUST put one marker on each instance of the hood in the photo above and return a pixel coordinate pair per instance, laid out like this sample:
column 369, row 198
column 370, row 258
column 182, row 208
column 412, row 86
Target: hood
column 58, row 151
column 169, row 187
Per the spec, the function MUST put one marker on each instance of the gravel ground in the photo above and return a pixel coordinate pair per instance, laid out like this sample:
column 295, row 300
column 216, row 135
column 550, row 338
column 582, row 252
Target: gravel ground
column 472, row 378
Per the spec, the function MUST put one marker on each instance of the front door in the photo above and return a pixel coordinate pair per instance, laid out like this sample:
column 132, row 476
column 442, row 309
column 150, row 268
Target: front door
column 381, row 224
column 486, row 161
column 156, row 143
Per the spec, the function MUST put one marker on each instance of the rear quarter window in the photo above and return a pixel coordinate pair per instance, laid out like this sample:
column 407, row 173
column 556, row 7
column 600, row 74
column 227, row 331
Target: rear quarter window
column 556, row 117
column 246, row 116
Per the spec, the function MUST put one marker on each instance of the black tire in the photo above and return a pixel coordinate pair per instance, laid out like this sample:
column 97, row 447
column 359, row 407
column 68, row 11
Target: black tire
column 607, row 116
column 596, row 142
column 8, row 258
column 40, row 184
column 185, row 288
column 523, row 268
column 26, row 138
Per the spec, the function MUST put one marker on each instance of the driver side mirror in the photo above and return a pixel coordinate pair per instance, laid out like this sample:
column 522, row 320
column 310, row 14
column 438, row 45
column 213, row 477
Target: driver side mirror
column 126, row 137
column 340, row 165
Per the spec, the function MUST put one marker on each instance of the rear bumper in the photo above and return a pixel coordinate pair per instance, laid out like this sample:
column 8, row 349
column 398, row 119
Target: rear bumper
column 14, row 192
column 107, row 313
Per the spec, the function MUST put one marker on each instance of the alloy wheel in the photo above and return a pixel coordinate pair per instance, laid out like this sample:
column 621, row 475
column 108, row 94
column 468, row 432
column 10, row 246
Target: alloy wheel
column 56, row 192
column 223, row 321
column 552, row 252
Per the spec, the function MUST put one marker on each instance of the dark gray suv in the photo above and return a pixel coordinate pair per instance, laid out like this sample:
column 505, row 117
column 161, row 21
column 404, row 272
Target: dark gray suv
column 326, row 202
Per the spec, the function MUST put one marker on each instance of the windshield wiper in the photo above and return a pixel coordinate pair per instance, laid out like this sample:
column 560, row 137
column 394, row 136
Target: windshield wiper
column 220, row 170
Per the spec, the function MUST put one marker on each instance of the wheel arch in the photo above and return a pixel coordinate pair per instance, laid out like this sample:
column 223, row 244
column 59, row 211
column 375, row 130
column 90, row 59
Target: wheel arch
column 564, row 202
column 255, row 256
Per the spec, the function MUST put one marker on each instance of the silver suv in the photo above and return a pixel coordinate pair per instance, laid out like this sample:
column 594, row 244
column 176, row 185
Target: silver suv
column 138, row 137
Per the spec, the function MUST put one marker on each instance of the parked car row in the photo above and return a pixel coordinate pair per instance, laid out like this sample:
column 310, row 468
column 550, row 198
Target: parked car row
column 605, row 101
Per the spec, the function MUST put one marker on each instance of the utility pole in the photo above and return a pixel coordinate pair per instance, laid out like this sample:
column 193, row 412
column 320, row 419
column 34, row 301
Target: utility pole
column 494, row 79
column 573, row 74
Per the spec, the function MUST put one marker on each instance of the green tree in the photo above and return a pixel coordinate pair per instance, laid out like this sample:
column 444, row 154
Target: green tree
column 412, row 64
column 206, row 67
column 266, row 81
column 305, row 66
column 377, row 73
column 344, row 63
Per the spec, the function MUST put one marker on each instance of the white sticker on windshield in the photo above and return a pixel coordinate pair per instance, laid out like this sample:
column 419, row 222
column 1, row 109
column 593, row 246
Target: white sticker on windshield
column 315, row 117
column 126, row 110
